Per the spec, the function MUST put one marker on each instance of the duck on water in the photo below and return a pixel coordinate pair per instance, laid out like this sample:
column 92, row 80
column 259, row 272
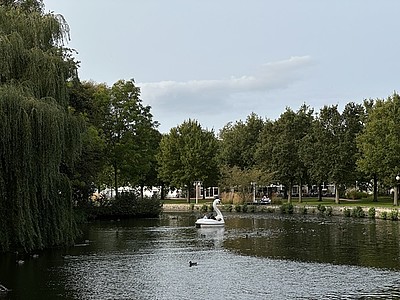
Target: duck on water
column 216, row 221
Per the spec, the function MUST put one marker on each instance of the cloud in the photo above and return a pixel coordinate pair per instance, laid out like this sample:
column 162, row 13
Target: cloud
column 201, row 98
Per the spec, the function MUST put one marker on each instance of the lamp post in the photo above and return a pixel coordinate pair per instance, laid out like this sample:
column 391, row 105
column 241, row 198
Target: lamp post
column 253, row 183
column 197, row 185
column 396, row 191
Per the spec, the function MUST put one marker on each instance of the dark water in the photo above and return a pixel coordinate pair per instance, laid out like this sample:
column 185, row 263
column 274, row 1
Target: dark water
column 256, row 256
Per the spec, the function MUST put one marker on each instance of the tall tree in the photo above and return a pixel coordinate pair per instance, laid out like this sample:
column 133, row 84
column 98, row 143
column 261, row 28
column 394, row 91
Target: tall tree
column 239, row 142
column 279, row 147
column 379, row 142
column 129, row 130
column 187, row 154
column 40, row 136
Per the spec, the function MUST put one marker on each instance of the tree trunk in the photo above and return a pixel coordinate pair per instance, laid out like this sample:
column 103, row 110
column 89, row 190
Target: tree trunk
column 337, row 201
column 320, row 192
column 162, row 192
column 289, row 199
column 300, row 192
column 395, row 194
column 141, row 191
column 116, row 180
column 375, row 189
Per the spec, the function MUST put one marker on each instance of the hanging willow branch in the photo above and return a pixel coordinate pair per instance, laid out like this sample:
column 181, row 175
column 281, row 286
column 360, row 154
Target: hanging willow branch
column 38, row 134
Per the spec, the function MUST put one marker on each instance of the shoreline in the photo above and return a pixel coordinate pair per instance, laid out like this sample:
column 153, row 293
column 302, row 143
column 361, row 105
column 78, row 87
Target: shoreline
column 380, row 212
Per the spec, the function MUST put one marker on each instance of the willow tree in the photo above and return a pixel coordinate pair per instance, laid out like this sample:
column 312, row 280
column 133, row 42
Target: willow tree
column 39, row 136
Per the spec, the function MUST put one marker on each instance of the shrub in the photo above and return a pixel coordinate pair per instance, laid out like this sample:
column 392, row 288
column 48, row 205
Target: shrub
column 228, row 207
column 372, row 212
column 287, row 208
column 126, row 205
column 354, row 194
column 394, row 215
column 204, row 208
column 238, row 208
column 347, row 212
column 303, row 210
column 329, row 211
column 384, row 215
column 252, row 208
column 357, row 212
column 191, row 206
column 321, row 209
column 244, row 208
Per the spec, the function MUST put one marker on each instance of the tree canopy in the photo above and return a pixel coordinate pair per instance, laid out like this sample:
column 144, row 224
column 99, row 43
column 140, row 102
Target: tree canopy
column 40, row 136
column 187, row 154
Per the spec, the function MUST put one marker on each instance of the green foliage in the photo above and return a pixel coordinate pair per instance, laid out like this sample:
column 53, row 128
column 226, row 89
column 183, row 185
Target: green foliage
column 128, row 205
column 354, row 194
column 245, row 208
column 378, row 143
column 188, row 153
column 204, row 208
column 384, row 215
column 303, row 210
column 278, row 148
column 321, row 209
column 394, row 215
column 238, row 208
column 129, row 133
column 40, row 138
column 228, row 207
column 372, row 212
column 251, row 208
column 329, row 211
column 357, row 212
column 347, row 212
column 287, row 208
column 239, row 141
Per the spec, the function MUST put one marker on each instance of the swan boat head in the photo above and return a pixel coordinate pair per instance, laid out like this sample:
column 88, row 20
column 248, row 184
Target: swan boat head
column 212, row 222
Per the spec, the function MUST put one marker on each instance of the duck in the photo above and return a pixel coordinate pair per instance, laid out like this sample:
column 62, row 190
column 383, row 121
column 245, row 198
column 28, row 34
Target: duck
column 191, row 264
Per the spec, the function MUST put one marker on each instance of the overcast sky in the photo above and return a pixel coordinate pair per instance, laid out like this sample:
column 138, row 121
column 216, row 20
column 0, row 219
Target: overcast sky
column 217, row 61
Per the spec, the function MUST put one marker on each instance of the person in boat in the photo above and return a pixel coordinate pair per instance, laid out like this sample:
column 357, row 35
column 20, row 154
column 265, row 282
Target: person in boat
column 266, row 199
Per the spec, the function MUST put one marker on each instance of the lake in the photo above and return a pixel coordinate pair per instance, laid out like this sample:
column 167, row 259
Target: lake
column 256, row 256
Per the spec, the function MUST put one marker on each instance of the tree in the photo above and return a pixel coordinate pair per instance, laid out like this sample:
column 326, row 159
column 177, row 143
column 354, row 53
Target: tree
column 40, row 136
column 279, row 147
column 239, row 142
column 129, row 132
column 379, row 142
column 187, row 154
column 86, row 100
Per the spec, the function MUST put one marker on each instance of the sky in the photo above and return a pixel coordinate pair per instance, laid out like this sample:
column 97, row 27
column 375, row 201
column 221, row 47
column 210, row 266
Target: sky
column 218, row 61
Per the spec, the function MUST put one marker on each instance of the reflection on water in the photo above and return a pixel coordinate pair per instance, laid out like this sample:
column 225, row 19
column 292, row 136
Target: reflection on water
column 256, row 256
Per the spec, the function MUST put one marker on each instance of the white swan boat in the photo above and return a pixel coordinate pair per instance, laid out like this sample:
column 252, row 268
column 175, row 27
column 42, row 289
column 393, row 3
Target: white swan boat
column 212, row 222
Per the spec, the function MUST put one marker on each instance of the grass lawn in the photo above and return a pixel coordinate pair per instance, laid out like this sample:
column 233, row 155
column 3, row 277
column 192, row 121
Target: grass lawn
column 383, row 201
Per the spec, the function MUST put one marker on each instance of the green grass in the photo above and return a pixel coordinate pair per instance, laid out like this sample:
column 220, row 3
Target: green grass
column 184, row 201
column 383, row 201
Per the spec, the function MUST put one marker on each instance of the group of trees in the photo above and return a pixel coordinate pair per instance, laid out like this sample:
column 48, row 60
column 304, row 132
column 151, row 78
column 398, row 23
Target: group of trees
column 63, row 138
column 358, row 147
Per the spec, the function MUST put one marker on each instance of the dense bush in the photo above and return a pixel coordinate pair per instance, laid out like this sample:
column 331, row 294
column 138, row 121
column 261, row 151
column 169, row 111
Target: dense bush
column 394, row 215
column 372, row 212
column 357, row 212
column 354, row 194
column 287, row 208
column 126, row 205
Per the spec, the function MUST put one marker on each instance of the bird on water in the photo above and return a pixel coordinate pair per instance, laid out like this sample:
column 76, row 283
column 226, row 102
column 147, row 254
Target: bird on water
column 191, row 264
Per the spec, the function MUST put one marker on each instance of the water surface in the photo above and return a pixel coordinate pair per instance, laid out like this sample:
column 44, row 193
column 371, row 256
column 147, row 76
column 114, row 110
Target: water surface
column 256, row 256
